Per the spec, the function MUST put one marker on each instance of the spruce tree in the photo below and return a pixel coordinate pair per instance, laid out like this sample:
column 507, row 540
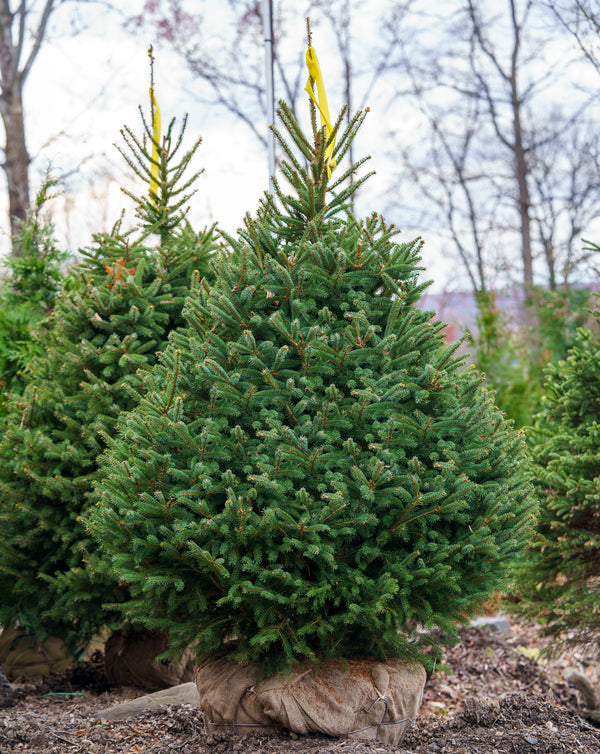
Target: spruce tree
column 316, row 474
column 116, row 311
column 559, row 574
column 28, row 294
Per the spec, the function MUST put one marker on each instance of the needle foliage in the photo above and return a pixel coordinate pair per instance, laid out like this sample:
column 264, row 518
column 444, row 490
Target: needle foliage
column 316, row 473
column 116, row 310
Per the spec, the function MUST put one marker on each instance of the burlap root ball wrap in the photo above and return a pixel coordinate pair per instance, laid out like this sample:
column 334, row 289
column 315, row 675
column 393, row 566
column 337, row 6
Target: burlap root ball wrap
column 363, row 698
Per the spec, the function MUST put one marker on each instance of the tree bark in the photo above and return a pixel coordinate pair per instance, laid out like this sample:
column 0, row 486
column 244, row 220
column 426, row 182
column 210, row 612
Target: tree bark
column 522, row 173
column 16, row 159
column 521, row 166
column 13, row 73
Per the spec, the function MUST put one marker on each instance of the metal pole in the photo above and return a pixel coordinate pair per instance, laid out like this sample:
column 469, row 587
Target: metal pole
column 268, row 32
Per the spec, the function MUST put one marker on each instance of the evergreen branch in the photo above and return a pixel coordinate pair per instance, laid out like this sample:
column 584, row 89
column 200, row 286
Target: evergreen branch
column 138, row 150
column 349, row 133
column 178, row 142
column 288, row 151
column 294, row 131
column 349, row 173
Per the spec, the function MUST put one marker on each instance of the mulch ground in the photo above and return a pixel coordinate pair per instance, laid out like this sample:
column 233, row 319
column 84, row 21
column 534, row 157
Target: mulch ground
column 496, row 694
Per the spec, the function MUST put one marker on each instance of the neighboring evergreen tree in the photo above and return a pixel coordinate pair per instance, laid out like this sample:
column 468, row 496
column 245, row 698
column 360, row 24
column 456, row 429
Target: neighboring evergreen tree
column 514, row 358
column 504, row 356
column 28, row 293
column 560, row 583
column 117, row 309
column 314, row 474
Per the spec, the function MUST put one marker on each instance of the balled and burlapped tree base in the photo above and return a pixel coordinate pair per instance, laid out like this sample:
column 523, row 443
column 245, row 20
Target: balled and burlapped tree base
column 362, row 698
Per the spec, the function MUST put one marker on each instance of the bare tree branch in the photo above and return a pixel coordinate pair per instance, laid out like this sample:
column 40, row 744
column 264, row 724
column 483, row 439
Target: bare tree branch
column 37, row 38
column 577, row 19
column 497, row 166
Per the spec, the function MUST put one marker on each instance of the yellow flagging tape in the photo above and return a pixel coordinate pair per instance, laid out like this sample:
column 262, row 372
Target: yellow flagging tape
column 155, row 142
column 315, row 77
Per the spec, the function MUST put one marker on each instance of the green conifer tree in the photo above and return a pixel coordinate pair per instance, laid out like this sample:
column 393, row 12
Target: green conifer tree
column 559, row 574
column 316, row 474
column 27, row 296
column 117, row 309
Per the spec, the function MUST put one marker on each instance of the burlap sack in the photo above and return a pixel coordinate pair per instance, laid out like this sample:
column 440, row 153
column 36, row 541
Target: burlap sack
column 130, row 660
column 365, row 698
column 24, row 658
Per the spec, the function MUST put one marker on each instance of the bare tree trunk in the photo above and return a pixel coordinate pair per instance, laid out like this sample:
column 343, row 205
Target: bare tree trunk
column 522, row 173
column 14, row 37
column 16, row 159
column 515, row 143
column 521, row 166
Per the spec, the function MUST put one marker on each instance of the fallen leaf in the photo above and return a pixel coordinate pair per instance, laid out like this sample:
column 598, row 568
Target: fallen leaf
column 444, row 688
column 532, row 652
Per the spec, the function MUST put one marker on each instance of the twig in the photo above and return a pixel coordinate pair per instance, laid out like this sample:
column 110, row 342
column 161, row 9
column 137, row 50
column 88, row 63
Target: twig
column 66, row 740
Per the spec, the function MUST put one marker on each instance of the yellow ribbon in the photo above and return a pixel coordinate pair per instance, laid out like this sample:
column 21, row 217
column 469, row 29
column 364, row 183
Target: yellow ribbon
column 154, row 168
column 315, row 77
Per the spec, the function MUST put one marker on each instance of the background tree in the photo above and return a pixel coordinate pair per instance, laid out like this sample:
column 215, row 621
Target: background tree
column 504, row 167
column 500, row 171
column 514, row 357
column 117, row 308
column 582, row 19
column 565, row 173
column 559, row 573
column 25, row 30
column 28, row 295
column 22, row 31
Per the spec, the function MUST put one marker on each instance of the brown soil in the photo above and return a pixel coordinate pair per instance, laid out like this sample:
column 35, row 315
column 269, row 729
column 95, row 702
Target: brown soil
column 496, row 695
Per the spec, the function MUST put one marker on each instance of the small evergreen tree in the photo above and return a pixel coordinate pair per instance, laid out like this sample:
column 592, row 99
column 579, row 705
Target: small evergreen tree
column 514, row 358
column 315, row 474
column 559, row 575
column 116, row 310
column 28, row 294
column 503, row 356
